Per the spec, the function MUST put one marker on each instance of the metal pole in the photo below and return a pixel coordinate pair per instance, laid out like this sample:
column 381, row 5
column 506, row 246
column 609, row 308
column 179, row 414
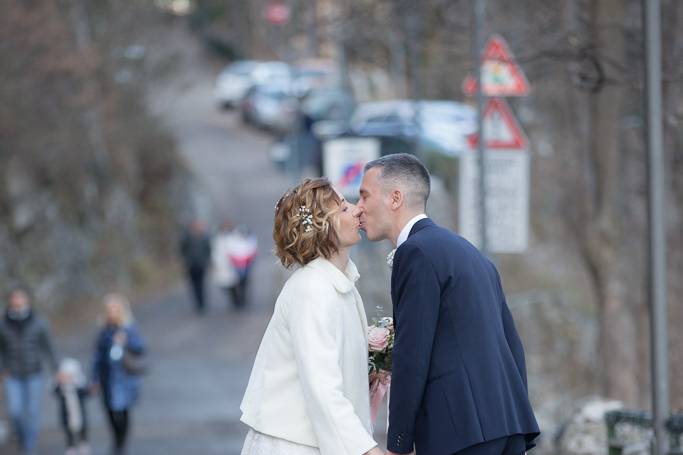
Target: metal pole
column 479, row 13
column 341, row 33
column 413, row 31
column 312, row 29
column 657, row 231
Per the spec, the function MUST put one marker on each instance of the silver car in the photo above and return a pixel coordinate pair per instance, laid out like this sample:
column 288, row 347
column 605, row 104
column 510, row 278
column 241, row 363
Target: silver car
column 233, row 82
column 236, row 79
column 269, row 106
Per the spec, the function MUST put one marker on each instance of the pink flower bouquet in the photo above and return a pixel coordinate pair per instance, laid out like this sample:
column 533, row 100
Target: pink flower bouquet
column 380, row 344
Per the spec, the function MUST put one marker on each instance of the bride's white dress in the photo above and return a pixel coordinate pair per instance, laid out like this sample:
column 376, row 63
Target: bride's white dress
column 261, row 444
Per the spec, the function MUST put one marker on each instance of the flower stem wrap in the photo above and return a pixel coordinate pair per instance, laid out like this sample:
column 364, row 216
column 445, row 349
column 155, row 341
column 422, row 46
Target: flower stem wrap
column 380, row 383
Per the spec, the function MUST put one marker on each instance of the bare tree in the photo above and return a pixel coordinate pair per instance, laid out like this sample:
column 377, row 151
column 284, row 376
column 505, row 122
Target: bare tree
column 601, row 210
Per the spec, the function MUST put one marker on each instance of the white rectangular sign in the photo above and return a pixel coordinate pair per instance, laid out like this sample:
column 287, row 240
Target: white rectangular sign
column 507, row 207
column 344, row 159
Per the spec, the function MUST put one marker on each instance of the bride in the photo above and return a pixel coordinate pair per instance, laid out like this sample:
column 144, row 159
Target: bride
column 308, row 391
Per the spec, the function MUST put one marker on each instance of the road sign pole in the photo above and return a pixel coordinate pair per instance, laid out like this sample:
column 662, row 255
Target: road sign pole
column 413, row 29
column 479, row 12
column 657, row 234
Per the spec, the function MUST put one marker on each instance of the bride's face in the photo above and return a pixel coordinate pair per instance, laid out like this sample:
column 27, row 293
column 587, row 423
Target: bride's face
column 347, row 222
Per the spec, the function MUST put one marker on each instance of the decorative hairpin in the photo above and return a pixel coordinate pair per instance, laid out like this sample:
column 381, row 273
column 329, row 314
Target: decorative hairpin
column 306, row 218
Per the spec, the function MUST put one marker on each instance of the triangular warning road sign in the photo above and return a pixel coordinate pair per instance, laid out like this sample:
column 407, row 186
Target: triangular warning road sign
column 501, row 128
column 501, row 76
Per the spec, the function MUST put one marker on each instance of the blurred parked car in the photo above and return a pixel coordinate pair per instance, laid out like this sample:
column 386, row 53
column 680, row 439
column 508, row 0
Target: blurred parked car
column 329, row 107
column 330, row 103
column 313, row 74
column 439, row 139
column 233, row 83
column 446, row 124
column 269, row 106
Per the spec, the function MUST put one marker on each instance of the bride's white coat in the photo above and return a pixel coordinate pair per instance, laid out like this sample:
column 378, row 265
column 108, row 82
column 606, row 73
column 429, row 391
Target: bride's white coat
column 309, row 383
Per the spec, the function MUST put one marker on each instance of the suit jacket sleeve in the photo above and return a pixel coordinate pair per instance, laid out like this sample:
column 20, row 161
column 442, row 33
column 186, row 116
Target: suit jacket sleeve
column 514, row 343
column 417, row 297
column 314, row 329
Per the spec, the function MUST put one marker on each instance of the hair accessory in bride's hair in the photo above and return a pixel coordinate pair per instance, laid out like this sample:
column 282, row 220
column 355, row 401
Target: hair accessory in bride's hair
column 306, row 218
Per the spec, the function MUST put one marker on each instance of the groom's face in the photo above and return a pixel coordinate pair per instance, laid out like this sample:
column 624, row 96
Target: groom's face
column 375, row 206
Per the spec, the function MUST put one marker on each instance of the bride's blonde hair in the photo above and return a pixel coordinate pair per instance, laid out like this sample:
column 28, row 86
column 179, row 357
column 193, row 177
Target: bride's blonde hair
column 303, row 229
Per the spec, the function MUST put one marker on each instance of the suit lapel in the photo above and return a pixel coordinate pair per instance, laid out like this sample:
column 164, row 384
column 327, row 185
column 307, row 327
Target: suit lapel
column 417, row 227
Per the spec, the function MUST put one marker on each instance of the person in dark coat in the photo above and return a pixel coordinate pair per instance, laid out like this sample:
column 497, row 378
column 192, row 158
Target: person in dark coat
column 459, row 383
column 25, row 345
column 117, row 341
column 195, row 250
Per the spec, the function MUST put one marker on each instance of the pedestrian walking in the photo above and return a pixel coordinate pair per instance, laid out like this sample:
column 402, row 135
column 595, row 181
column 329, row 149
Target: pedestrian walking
column 234, row 251
column 72, row 391
column 195, row 249
column 25, row 345
column 118, row 351
column 223, row 270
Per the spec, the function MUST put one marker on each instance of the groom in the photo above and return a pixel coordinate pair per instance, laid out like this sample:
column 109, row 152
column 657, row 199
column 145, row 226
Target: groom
column 458, row 377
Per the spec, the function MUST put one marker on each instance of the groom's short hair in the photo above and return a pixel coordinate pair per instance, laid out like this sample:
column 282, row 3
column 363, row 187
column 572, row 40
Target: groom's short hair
column 406, row 171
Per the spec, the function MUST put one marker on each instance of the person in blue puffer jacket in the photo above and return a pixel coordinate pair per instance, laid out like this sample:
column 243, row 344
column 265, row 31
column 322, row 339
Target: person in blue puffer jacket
column 118, row 345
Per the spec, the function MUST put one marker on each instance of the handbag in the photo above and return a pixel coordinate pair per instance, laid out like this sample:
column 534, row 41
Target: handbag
column 135, row 364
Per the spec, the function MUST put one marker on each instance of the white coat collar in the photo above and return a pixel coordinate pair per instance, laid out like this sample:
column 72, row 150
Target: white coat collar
column 342, row 281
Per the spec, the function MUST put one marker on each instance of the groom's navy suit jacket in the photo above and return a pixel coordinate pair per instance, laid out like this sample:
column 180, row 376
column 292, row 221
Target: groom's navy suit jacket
column 458, row 375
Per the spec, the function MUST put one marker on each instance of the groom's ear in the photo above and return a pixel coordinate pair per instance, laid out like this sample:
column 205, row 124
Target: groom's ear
column 397, row 199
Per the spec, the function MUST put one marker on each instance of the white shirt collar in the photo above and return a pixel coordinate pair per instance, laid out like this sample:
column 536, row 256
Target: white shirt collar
column 403, row 236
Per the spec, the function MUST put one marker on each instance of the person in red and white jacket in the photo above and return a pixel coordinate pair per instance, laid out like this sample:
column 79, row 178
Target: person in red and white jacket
column 233, row 253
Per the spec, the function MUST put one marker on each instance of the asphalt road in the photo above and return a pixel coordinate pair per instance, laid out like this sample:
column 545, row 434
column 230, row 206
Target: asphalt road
column 200, row 365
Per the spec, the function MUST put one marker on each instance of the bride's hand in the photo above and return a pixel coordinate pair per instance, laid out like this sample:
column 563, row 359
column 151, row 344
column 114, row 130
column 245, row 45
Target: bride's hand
column 374, row 451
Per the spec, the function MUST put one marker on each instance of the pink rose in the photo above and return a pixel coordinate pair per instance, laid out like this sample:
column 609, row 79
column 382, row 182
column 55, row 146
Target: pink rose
column 378, row 338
